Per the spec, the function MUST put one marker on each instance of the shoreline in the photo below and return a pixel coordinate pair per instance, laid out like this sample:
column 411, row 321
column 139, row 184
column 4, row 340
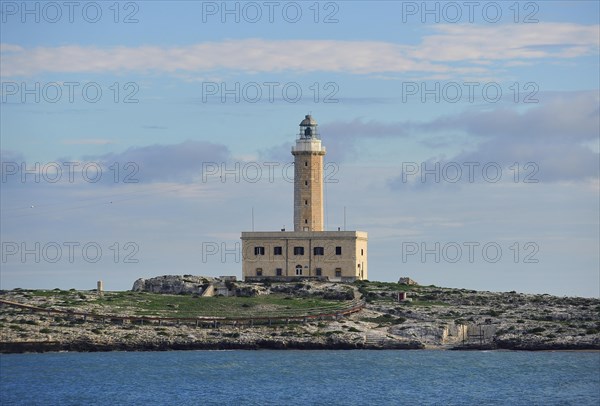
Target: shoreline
column 25, row 347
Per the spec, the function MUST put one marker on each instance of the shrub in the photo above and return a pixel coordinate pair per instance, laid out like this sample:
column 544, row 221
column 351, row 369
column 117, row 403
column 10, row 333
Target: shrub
column 537, row 330
column 30, row 322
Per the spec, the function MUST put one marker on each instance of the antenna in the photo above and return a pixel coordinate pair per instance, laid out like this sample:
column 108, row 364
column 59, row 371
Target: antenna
column 344, row 218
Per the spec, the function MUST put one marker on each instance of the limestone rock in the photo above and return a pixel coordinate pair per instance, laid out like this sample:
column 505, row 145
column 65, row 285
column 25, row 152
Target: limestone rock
column 173, row 284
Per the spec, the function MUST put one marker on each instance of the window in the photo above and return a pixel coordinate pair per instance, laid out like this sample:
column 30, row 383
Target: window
column 362, row 252
column 338, row 272
column 278, row 271
column 305, row 163
column 298, row 270
column 319, row 251
column 277, row 251
column 259, row 250
column 318, row 272
column 306, row 202
column 298, row 250
column 258, row 271
column 305, row 183
column 305, row 221
column 338, row 250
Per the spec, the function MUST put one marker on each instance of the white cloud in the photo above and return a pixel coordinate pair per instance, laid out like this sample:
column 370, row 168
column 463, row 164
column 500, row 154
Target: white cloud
column 451, row 43
column 552, row 135
column 457, row 42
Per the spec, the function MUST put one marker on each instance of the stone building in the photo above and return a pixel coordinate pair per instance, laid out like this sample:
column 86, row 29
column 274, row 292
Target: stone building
column 309, row 251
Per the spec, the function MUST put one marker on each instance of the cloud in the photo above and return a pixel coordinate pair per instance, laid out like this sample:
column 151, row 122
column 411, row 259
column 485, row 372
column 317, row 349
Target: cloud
column 469, row 42
column 437, row 53
column 342, row 137
column 250, row 55
column 553, row 136
column 176, row 162
column 571, row 116
column 556, row 135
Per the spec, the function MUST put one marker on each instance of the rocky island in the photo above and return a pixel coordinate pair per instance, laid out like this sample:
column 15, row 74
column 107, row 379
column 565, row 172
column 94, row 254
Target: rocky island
column 194, row 312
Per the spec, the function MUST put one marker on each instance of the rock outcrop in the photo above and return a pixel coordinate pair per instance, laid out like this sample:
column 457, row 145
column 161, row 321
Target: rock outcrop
column 189, row 284
column 173, row 284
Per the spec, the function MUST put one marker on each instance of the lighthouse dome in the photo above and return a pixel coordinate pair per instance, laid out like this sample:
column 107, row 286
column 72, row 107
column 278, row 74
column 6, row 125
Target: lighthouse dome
column 308, row 121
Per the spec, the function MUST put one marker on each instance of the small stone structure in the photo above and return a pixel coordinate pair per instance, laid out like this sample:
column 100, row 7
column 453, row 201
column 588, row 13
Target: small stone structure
column 403, row 297
column 406, row 281
column 100, row 289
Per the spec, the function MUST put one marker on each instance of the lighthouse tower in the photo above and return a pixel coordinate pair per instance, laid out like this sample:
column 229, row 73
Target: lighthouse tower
column 309, row 251
column 308, row 178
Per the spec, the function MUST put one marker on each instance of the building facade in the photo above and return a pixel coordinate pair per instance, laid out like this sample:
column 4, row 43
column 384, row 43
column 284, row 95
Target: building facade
column 308, row 251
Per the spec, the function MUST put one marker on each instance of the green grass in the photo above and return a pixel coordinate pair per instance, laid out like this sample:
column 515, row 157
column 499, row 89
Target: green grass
column 389, row 286
column 188, row 306
column 50, row 293
column 384, row 319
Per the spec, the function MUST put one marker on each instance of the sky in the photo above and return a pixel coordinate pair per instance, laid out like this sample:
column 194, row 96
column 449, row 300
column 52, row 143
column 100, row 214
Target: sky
column 140, row 138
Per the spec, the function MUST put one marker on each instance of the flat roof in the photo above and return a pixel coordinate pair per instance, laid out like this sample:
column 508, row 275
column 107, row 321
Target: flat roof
column 303, row 234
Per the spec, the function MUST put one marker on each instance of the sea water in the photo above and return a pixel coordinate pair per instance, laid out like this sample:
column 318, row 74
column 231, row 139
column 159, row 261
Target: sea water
column 357, row 377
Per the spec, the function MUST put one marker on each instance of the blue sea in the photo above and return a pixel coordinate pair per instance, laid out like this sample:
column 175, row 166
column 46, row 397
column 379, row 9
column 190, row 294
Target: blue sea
column 356, row 377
